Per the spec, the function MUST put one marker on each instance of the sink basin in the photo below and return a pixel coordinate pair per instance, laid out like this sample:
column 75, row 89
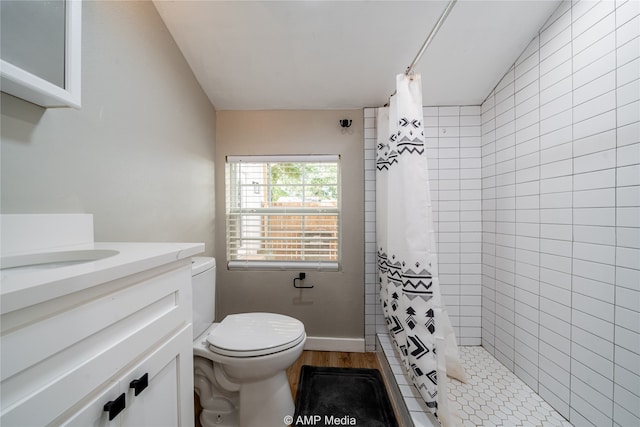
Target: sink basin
column 55, row 259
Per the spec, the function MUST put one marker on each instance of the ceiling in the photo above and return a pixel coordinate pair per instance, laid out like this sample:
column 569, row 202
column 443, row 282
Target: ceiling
column 256, row 55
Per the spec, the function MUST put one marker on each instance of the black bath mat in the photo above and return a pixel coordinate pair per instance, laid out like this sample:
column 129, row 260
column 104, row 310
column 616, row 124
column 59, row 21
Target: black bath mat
column 342, row 396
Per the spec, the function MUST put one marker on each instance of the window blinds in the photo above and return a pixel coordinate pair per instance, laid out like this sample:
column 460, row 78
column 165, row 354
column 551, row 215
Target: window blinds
column 283, row 212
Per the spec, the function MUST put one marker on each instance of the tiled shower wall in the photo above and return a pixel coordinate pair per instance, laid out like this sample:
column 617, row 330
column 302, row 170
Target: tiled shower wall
column 561, row 214
column 371, row 303
column 453, row 139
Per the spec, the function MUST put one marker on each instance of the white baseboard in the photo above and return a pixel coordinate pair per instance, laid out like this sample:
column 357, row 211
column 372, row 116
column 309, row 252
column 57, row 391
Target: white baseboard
column 355, row 345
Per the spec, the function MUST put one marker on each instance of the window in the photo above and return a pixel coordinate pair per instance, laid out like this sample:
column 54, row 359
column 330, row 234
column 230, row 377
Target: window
column 283, row 211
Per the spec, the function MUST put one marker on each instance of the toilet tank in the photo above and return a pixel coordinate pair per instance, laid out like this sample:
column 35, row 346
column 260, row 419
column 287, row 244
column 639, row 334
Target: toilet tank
column 203, row 283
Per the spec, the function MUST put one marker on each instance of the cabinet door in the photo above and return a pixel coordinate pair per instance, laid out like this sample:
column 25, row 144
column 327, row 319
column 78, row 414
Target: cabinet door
column 93, row 413
column 157, row 392
column 41, row 48
column 164, row 386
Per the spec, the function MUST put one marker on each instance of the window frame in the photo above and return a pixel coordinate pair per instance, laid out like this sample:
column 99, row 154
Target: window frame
column 248, row 264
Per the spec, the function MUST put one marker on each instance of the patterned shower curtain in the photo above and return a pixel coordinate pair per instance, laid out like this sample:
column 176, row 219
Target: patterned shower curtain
column 407, row 264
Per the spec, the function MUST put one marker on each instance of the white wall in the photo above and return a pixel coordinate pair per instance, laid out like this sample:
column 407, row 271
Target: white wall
column 138, row 154
column 453, row 149
column 561, row 214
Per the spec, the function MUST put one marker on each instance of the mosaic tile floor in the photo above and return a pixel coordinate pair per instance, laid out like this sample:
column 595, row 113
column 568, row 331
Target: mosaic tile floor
column 492, row 397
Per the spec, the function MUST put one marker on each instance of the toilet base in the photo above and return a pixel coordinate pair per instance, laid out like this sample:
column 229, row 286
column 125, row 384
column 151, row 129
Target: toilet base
column 209, row 418
column 257, row 388
column 262, row 403
column 219, row 405
column 266, row 402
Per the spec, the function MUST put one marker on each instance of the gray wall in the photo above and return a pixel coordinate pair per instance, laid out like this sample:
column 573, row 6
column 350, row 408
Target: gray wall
column 335, row 307
column 139, row 154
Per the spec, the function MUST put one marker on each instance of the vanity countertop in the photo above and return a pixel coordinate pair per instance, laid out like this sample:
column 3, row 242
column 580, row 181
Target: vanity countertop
column 22, row 287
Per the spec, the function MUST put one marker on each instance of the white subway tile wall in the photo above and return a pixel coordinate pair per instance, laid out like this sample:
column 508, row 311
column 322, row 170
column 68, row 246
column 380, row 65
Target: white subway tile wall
column 561, row 214
column 453, row 138
column 372, row 307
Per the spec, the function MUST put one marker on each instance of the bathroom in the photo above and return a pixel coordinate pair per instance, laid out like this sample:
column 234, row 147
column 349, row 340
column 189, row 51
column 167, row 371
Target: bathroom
column 145, row 154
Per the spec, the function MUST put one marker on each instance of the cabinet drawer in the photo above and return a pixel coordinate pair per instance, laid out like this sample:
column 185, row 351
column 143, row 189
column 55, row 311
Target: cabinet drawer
column 50, row 365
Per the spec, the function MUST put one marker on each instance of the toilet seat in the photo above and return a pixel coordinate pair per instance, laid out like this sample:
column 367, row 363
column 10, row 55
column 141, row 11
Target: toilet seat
column 255, row 334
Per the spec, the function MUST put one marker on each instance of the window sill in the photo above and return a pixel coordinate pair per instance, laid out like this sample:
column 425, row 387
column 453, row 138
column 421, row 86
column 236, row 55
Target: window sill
column 283, row 265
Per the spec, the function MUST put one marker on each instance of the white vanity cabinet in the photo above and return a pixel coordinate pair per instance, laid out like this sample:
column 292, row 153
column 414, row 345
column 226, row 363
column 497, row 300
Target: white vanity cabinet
column 67, row 360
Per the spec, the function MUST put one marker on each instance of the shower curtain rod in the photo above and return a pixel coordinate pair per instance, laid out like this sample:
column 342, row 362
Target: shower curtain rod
column 432, row 34
column 427, row 42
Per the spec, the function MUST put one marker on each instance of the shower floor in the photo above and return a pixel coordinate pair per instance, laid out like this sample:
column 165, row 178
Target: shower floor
column 492, row 396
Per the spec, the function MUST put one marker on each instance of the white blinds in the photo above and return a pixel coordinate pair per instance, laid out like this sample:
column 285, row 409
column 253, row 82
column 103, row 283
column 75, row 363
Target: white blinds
column 283, row 211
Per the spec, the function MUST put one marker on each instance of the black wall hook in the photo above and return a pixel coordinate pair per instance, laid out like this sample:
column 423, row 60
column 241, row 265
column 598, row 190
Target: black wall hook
column 301, row 277
column 345, row 123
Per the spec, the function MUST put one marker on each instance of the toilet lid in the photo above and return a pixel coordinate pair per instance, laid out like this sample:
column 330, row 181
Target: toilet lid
column 254, row 334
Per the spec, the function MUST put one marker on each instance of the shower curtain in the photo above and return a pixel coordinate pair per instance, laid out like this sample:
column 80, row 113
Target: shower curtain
column 407, row 266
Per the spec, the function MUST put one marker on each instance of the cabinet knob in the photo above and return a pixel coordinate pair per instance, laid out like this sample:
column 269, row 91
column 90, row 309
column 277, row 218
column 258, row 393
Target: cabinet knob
column 139, row 384
column 114, row 407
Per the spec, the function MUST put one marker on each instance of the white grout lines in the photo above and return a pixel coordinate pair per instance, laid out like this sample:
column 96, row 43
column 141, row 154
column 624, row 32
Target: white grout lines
column 492, row 397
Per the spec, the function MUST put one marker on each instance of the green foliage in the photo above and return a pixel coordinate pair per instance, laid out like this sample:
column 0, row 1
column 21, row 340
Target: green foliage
column 319, row 179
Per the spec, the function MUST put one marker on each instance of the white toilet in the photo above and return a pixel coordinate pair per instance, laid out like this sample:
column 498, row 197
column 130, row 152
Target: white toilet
column 240, row 363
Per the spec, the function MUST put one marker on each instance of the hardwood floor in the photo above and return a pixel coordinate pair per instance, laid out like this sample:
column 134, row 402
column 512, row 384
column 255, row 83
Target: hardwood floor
column 329, row 358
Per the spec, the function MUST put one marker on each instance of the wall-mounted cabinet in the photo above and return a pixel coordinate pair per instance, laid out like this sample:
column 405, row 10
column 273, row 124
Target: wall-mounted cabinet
column 40, row 48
